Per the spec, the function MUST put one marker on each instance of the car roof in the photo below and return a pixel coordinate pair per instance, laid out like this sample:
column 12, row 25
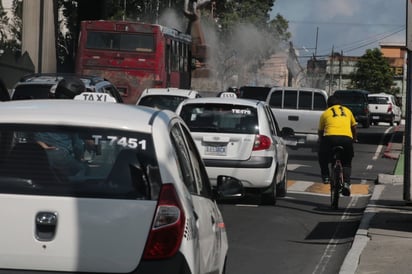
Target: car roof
column 379, row 94
column 69, row 112
column 348, row 91
column 170, row 91
column 301, row 88
column 54, row 78
column 223, row 100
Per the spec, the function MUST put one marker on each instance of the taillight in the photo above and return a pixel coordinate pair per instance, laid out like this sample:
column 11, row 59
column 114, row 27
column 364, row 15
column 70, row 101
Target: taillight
column 390, row 108
column 167, row 229
column 261, row 142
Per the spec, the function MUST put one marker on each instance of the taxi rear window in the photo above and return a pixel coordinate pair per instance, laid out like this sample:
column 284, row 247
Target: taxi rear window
column 24, row 92
column 170, row 102
column 224, row 118
column 77, row 162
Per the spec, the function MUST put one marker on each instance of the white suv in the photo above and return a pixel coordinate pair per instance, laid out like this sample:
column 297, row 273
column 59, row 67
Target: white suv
column 141, row 202
column 384, row 108
column 239, row 138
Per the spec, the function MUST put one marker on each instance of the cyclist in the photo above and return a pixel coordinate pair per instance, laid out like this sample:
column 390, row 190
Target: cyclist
column 337, row 127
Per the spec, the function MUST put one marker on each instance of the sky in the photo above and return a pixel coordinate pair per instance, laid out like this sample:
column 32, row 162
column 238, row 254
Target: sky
column 345, row 26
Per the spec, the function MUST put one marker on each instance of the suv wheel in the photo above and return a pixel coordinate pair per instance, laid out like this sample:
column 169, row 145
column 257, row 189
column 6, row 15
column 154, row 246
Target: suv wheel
column 366, row 124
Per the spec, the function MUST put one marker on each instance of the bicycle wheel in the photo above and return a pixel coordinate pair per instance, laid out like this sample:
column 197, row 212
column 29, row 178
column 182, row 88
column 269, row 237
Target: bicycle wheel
column 334, row 188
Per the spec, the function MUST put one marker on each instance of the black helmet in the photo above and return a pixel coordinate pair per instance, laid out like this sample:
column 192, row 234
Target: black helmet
column 69, row 87
column 333, row 100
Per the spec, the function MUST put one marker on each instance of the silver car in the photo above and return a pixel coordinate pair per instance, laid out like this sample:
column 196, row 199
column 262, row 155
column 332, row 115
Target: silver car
column 240, row 138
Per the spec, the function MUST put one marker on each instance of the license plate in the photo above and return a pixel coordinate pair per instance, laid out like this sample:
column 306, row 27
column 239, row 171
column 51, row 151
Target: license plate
column 375, row 117
column 215, row 150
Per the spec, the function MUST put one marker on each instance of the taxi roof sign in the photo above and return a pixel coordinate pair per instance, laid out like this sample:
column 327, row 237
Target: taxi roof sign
column 95, row 97
column 228, row 95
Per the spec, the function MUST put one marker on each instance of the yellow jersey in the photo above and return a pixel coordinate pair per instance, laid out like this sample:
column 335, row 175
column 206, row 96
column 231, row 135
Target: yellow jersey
column 337, row 120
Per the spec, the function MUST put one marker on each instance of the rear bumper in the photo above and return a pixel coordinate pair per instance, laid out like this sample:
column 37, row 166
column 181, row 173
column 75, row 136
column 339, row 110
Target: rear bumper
column 252, row 175
column 175, row 265
column 253, row 162
column 382, row 117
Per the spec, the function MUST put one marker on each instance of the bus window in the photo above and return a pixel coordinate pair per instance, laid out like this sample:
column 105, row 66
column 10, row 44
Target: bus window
column 134, row 56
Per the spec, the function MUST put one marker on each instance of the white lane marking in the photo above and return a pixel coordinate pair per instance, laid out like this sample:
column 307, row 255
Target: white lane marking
column 379, row 148
column 244, row 205
column 296, row 166
column 369, row 167
column 333, row 242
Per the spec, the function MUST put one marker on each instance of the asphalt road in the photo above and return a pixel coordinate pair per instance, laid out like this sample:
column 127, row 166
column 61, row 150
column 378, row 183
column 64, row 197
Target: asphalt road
column 301, row 234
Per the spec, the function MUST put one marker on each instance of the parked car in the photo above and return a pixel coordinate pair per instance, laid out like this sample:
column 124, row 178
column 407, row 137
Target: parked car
column 357, row 102
column 43, row 86
column 144, row 204
column 239, row 138
column 165, row 98
column 384, row 108
column 295, row 108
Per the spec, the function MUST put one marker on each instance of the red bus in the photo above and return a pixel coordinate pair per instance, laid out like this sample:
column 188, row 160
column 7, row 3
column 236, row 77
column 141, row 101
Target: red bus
column 134, row 56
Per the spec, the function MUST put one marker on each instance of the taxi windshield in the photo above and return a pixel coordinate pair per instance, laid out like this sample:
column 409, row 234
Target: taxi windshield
column 77, row 161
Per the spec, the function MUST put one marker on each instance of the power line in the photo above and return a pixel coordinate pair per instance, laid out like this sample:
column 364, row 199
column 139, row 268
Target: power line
column 343, row 23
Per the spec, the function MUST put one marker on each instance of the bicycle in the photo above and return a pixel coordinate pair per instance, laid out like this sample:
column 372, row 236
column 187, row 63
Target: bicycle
column 336, row 179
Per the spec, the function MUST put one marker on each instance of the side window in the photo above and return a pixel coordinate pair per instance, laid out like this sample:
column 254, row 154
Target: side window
column 272, row 122
column 319, row 102
column 185, row 168
column 290, row 99
column 202, row 179
column 305, row 100
column 276, row 99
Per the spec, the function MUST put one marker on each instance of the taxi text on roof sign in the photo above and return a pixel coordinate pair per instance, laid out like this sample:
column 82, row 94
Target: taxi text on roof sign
column 95, row 97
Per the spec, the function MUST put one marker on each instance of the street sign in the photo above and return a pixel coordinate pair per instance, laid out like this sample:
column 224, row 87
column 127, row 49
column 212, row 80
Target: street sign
column 409, row 25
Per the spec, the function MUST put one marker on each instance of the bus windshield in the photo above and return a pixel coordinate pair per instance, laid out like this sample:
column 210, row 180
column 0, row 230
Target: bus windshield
column 120, row 41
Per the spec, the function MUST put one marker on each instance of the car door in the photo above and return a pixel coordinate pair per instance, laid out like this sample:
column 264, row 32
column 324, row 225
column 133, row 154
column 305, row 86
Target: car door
column 396, row 109
column 209, row 221
column 281, row 153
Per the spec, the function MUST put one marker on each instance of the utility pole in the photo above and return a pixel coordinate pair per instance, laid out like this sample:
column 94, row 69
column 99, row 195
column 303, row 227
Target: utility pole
column 331, row 72
column 407, row 147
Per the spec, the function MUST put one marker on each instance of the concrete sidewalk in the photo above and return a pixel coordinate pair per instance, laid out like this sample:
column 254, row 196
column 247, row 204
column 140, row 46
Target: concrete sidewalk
column 383, row 242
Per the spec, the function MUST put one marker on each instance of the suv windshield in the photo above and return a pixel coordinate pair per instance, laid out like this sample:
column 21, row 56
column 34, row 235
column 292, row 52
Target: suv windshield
column 77, row 161
column 224, row 118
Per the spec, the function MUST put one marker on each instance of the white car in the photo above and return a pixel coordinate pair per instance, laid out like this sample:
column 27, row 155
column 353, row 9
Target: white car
column 165, row 98
column 141, row 203
column 43, row 86
column 384, row 108
column 239, row 138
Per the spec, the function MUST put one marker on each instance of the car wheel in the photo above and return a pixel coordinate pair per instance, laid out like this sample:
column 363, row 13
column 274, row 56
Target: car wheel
column 391, row 122
column 282, row 187
column 268, row 196
column 366, row 124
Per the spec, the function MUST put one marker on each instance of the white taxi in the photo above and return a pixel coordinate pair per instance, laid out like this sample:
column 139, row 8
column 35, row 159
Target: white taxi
column 142, row 203
column 240, row 138
column 165, row 98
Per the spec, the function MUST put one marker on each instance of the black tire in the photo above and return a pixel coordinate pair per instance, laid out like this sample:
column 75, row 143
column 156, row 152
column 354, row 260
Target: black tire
column 366, row 124
column 334, row 189
column 391, row 122
column 282, row 187
column 268, row 197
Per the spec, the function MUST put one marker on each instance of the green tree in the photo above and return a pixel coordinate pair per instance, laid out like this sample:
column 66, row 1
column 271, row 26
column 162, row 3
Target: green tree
column 373, row 73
